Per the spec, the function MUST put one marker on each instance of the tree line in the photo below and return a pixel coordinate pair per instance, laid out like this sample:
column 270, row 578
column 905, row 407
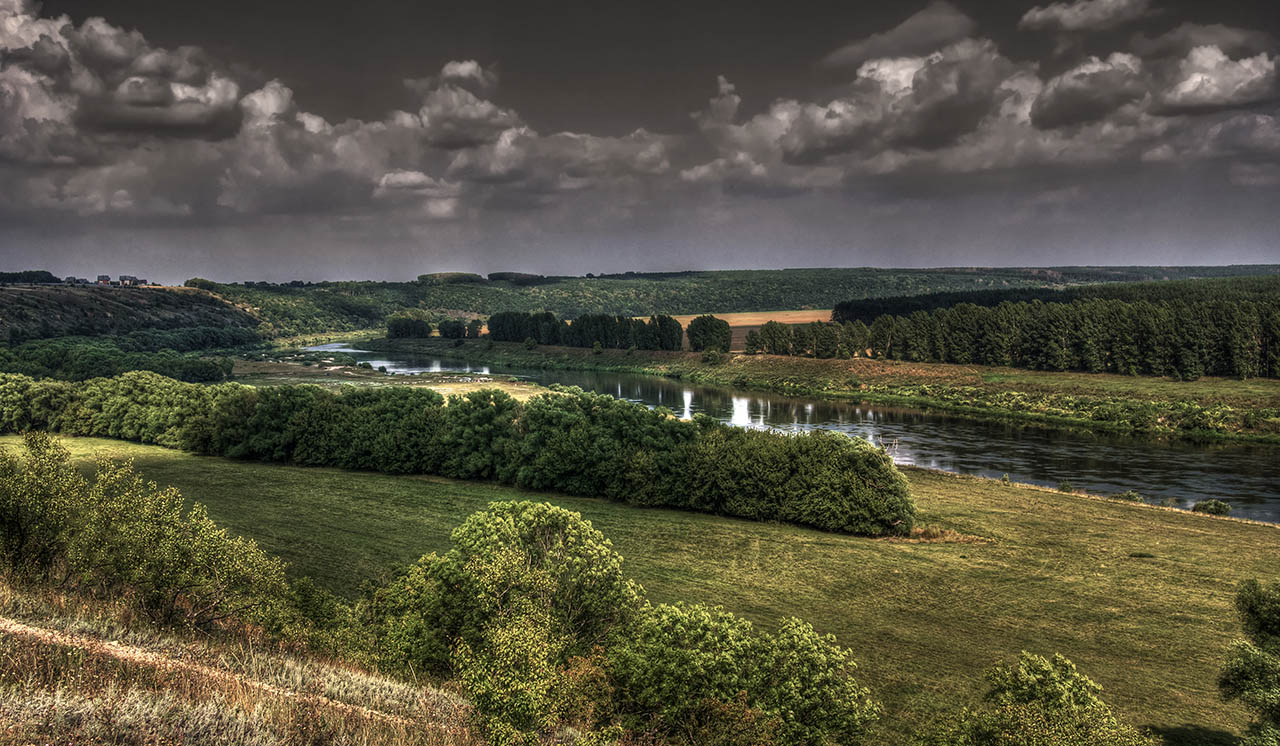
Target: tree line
column 1260, row 288
column 1184, row 340
column 588, row 330
column 568, row 441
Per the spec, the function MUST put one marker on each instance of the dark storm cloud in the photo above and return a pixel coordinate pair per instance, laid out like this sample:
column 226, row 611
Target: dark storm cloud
column 103, row 131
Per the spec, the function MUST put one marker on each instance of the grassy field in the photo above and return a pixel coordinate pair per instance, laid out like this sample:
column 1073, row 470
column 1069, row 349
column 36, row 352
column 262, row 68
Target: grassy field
column 1058, row 573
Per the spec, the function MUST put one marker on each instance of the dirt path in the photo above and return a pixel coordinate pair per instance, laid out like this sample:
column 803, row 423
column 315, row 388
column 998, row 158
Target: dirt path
column 144, row 657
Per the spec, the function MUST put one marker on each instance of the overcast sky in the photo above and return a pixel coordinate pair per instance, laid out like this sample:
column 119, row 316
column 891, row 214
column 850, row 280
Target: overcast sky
column 382, row 139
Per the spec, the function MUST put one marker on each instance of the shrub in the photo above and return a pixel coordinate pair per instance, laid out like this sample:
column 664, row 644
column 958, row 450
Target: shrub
column 511, row 553
column 1212, row 507
column 1252, row 672
column 1037, row 702
column 1065, row 486
column 122, row 537
column 698, row 669
column 1132, row 496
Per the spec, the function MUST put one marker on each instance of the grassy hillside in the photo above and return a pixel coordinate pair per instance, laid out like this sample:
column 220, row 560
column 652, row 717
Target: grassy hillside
column 1139, row 597
column 36, row 312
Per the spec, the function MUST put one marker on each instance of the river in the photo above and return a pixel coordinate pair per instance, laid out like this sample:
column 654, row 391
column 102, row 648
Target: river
column 1244, row 475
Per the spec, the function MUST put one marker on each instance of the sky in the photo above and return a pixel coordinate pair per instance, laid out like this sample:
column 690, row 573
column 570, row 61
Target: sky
column 304, row 139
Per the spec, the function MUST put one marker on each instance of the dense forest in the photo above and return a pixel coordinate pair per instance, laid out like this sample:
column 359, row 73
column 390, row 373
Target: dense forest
column 301, row 308
column 1182, row 340
column 1264, row 287
column 568, row 441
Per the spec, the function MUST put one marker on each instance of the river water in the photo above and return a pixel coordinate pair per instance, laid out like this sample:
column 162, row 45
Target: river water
column 1245, row 475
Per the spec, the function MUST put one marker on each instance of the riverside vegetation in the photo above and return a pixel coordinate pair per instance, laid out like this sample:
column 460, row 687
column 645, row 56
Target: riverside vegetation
column 1145, row 627
column 1208, row 408
column 570, row 441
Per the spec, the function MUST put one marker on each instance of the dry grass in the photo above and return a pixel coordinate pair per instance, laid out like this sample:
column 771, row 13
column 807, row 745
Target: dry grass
column 87, row 672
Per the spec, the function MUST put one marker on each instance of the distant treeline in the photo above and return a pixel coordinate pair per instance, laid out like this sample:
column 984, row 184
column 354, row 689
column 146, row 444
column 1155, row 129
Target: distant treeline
column 1259, row 288
column 570, row 441
column 29, row 275
column 157, row 350
column 1237, row 338
column 614, row 332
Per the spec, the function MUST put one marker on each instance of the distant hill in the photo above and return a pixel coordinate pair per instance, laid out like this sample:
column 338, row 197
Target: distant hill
column 33, row 312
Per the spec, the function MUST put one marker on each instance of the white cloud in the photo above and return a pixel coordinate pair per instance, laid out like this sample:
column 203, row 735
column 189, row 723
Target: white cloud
column 1208, row 78
column 1084, row 15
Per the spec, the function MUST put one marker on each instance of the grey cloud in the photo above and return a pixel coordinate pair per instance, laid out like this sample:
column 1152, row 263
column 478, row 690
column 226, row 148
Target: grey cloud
column 1179, row 41
column 939, row 24
column 1084, row 15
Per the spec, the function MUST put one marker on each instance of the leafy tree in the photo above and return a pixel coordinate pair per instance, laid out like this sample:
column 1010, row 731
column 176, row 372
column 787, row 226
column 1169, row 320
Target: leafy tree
column 709, row 333
column 1252, row 673
column 775, row 338
column 409, row 324
column 453, row 328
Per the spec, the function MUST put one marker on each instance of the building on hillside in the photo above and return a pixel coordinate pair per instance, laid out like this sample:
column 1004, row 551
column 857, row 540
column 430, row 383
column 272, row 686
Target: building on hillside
column 129, row 281
column 104, row 279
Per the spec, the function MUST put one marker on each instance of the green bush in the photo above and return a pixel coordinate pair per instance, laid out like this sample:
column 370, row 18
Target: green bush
column 1212, row 507
column 121, row 537
column 1037, row 702
column 684, row 663
column 1251, row 675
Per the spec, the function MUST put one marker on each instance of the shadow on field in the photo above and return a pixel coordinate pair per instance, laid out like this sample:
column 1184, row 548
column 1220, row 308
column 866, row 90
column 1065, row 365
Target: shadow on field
column 1194, row 735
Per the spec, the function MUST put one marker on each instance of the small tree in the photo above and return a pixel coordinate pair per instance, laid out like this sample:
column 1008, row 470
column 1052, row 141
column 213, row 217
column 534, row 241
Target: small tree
column 453, row 329
column 709, row 333
column 1252, row 673
column 474, row 328
column 408, row 324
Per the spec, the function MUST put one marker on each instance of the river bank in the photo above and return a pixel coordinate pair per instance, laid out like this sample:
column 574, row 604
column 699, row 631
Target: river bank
column 1204, row 410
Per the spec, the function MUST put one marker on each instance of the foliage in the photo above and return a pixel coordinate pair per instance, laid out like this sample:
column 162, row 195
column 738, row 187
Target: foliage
column 1212, row 507
column 409, row 324
column 1038, row 702
column 684, row 661
column 1252, row 672
column 1236, row 334
column 158, row 351
column 709, row 333
column 596, row 331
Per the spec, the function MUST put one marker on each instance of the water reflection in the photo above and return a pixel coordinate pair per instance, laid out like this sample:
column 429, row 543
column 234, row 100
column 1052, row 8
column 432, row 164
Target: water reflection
column 1244, row 475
